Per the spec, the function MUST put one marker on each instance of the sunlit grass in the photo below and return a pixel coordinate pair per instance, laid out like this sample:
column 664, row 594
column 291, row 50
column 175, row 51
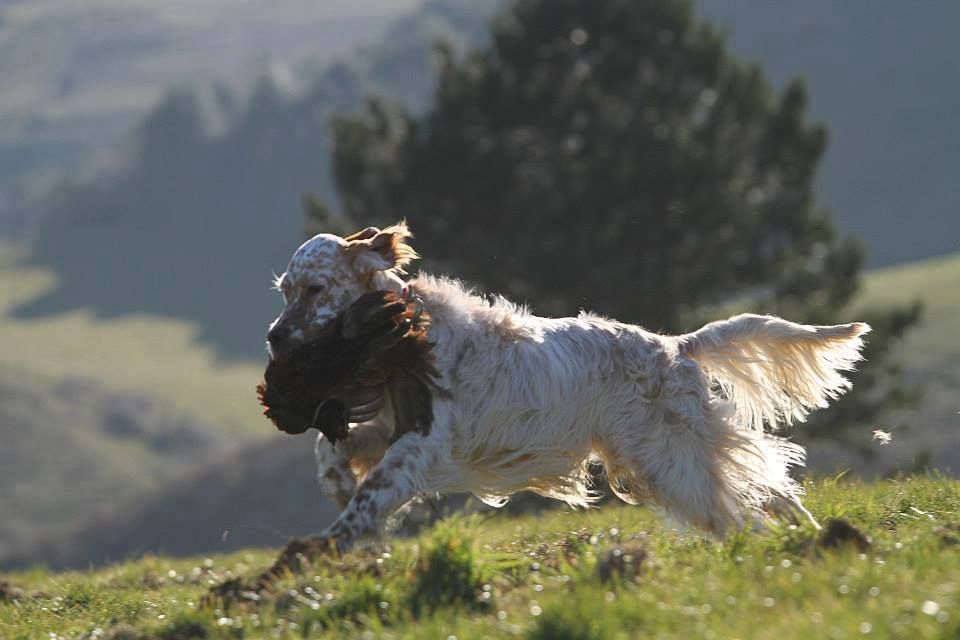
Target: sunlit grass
column 539, row 577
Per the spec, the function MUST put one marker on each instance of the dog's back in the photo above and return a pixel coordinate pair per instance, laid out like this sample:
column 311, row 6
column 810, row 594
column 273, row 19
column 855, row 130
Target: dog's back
column 676, row 419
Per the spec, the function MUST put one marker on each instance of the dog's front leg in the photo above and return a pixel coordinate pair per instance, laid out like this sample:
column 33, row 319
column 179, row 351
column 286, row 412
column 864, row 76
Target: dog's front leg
column 341, row 466
column 337, row 481
column 398, row 478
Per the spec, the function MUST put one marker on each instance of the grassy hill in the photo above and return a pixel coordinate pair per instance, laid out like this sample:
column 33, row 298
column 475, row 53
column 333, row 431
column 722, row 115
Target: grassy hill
column 613, row 572
column 258, row 496
column 96, row 414
column 931, row 358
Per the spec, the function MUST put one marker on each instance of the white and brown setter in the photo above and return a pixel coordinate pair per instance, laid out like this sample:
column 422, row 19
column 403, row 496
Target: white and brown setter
column 526, row 403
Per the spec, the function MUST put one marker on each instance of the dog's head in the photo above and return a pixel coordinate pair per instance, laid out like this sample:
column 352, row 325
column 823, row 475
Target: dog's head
column 327, row 273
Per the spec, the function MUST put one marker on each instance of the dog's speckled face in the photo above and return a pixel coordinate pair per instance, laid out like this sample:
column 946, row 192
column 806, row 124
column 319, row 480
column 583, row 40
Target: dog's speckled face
column 327, row 273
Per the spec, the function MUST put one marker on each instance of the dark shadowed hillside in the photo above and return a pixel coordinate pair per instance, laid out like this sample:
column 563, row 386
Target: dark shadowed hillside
column 258, row 497
column 70, row 448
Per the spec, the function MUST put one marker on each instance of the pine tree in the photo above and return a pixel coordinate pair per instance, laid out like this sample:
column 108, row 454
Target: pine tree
column 611, row 154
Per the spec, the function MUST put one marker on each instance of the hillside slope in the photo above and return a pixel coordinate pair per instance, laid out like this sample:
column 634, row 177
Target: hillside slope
column 97, row 414
column 71, row 448
column 257, row 497
column 604, row 574
column 931, row 358
column 139, row 354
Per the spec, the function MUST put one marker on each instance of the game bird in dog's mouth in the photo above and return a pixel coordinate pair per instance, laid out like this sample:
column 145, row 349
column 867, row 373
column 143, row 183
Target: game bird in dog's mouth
column 422, row 386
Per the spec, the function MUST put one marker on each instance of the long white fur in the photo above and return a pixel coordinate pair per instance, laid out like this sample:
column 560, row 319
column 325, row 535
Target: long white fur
column 774, row 370
column 537, row 399
column 531, row 402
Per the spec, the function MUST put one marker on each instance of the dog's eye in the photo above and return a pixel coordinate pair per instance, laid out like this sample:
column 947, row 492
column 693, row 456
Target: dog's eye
column 315, row 289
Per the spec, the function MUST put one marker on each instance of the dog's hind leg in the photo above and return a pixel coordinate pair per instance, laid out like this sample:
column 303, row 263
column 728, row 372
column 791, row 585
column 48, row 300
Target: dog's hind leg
column 687, row 475
column 673, row 461
column 756, row 467
column 690, row 459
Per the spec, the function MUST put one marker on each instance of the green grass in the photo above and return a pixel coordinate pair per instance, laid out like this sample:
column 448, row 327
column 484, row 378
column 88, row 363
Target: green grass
column 539, row 577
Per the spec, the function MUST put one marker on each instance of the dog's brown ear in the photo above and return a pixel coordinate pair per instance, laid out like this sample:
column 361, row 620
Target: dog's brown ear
column 385, row 250
column 363, row 234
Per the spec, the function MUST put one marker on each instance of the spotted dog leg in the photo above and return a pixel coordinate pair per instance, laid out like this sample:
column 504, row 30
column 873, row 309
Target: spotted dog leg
column 399, row 477
column 395, row 480
column 340, row 467
column 337, row 482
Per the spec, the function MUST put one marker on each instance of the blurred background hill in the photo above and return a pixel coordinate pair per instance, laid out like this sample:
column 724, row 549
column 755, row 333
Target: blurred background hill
column 153, row 159
column 78, row 75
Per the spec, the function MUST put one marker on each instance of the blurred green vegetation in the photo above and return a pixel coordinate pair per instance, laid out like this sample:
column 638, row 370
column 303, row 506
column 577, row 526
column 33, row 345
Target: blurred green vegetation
column 96, row 414
column 207, row 208
column 72, row 448
column 929, row 355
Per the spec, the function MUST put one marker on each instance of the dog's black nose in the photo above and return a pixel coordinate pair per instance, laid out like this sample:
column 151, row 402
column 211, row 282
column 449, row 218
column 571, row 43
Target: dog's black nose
column 278, row 335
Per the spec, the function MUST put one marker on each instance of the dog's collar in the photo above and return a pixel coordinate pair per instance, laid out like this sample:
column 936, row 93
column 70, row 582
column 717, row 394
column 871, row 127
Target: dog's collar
column 409, row 295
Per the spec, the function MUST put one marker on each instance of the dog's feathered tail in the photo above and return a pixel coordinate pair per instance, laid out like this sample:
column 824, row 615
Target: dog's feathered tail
column 775, row 371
